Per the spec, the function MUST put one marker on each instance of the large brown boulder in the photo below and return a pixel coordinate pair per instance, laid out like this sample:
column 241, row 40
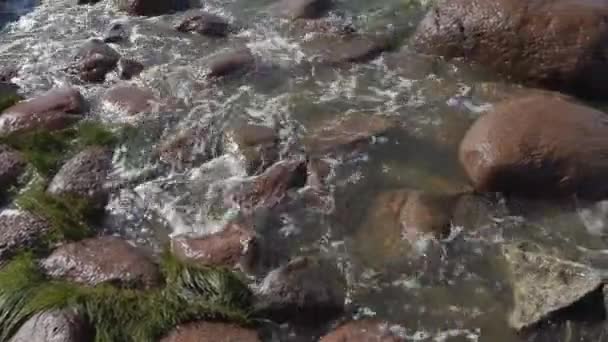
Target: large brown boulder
column 559, row 44
column 210, row 332
column 540, row 145
column 54, row 326
column 366, row 330
column 55, row 109
column 151, row 7
column 94, row 60
column 102, row 260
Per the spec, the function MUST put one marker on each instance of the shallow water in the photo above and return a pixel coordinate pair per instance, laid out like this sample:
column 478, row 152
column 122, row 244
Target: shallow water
column 454, row 289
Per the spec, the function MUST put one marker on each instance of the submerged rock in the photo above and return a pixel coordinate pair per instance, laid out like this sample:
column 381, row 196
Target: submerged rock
column 151, row 7
column 256, row 145
column 540, row 145
column 54, row 326
column 85, row 176
column 102, row 260
column 558, row 44
column 12, row 165
column 188, row 147
column 545, row 285
column 130, row 99
column 95, row 59
column 233, row 246
column 210, row 332
column 53, row 110
column 20, row 230
column 363, row 331
column 206, row 24
column 345, row 132
column 306, row 290
column 351, row 48
column 116, row 33
column 129, row 68
column 230, row 62
column 304, row 9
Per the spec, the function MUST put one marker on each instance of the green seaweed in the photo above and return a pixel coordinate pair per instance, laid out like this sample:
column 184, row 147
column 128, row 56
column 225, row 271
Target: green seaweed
column 123, row 314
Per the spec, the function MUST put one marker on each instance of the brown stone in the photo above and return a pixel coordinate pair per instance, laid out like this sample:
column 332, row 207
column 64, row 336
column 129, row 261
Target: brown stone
column 18, row 230
column 211, row 332
column 95, row 59
column 53, row 110
column 363, row 331
column 558, row 44
column 130, row 99
column 12, row 165
column 151, row 7
column 230, row 62
column 540, row 145
column 256, row 145
column 187, row 148
column 54, row 326
column 352, row 48
column 102, row 260
column 304, row 9
column 128, row 68
column 206, row 24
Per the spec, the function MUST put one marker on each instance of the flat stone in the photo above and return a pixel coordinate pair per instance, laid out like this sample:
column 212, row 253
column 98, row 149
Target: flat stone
column 130, row 99
column 102, row 260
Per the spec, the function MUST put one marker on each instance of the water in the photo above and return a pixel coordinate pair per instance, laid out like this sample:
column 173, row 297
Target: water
column 455, row 289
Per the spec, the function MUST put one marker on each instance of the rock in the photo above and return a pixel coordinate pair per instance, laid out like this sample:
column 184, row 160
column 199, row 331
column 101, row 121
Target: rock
column 269, row 188
column 12, row 166
column 95, row 59
column 128, row 68
column 130, row 99
column 53, row 110
column 306, row 290
column 188, row 147
column 345, row 132
column 230, row 62
column 304, row 9
column 206, row 24
column 352, row 48
column 102, row 260
column 8, row 95
column 544, row 285
column 54, row 326
column 7, row 73
column 211, row 332
column 539, row 145
column 19, row 230
column 557, row 44
column 151, row 7
column 233, row 246
column 256, row 145
column 85, row 2
column 116, row 33
column 366, row 330
column 85, row 176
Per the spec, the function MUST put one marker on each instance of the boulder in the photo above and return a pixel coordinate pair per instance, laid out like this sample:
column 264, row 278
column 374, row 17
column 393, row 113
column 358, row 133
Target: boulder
column 151, row 7
column 230, row 62
column 366, row 330
column 304, row 9
column 12, row 165
column 206, row 24
column 188, row 147
column 102, row 260
column 54, row 326
column 19, row 230
column 545, row 286
column 256, row 145
column 558, row 44
column 53, row 110
column 116, row 33
column 210, row 332
column 95, row 59
column 269, row 188
column 85, row 176
column 539, row 145
column 306, row 290
column 234, row 246
column 351, row 48
column 129, row 68
column 130, row 99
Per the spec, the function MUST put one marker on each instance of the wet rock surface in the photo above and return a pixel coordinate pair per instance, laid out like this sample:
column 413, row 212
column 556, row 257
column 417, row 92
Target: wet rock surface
column 12, row 165
column 151, row 7
column 188, row 148
column 129, row 68
column 55, row 109
column 541, row 145
column 363, row 331
column 235, row 245
column 305, row 290
column 20, row 229
column 54, row 326
column 85, row 176
column 230, row 62
column 256, row 145
column 95, row 59
column 350, row 48
column 304, row 9
column 541, row 44
column 545, row 285
column 130, row 99
column 206, row 24
column 116, row 33
column 102, row 260
column 211, row 332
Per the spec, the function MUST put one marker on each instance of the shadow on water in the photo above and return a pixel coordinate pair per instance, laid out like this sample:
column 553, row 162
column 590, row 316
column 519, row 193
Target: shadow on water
column 11, row 10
